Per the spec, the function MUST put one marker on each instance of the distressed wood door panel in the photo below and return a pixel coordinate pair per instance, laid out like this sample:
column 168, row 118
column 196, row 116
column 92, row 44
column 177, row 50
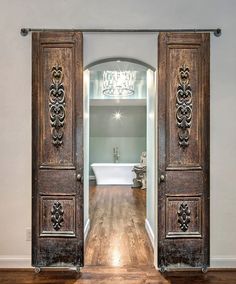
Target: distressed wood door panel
column 57, row 207
column 53, row 76
column 183, row 195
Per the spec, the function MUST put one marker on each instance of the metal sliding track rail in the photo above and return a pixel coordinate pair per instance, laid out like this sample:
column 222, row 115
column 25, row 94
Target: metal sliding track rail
column 216, row 32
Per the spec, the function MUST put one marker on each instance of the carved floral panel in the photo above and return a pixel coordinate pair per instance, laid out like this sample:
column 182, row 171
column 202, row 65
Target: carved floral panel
column 184, row 106
column 57, row 215
column 183, row 216
column 57, row 106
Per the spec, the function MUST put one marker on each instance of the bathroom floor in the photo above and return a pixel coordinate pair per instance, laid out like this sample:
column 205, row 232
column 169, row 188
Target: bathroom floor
column 117, row 234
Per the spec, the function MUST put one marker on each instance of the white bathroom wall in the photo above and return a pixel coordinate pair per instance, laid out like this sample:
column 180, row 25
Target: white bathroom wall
column 86, row 152
column 127, row 133
column 151, row 197
column 15, row 106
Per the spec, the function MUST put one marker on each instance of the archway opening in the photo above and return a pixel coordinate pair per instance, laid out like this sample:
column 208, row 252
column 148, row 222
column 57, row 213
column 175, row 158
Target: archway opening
column 119, row 155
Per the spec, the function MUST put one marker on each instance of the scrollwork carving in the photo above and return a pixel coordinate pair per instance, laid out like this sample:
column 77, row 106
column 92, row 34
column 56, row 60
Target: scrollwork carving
column 184, row 216
column 57, row 105
column 57, row 215
column 184, row 106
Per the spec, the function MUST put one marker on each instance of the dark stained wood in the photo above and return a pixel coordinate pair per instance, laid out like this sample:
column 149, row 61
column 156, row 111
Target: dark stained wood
column 116, row 275
column 183, row 195
column 117, row 236
column 57, row 120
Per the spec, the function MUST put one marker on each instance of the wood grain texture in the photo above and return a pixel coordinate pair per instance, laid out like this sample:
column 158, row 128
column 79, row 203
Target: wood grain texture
column 57, row 235
column 117, row 275
column 117, row 236
column 183, row 235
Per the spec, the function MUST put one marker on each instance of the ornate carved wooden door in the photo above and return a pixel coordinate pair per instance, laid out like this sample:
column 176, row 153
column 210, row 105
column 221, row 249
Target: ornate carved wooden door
column 183, row 194
column 57, row 205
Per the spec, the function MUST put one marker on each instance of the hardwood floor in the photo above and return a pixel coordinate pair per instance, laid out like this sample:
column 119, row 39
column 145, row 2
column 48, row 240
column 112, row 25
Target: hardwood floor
column 117, row 275
column 117, row 236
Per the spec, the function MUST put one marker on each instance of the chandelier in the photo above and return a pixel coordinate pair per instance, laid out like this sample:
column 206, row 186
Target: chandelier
column 118, row 83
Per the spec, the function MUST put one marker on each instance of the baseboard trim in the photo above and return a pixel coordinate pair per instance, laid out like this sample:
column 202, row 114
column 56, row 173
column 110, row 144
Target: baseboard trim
column 223, row 262
column 15, row 261
column 217, row 263
column 86, row 229
column 24, row 261
column 149, row 232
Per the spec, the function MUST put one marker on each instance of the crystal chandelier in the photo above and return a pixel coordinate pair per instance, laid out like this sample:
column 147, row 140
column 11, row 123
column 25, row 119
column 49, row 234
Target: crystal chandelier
column 118, row 83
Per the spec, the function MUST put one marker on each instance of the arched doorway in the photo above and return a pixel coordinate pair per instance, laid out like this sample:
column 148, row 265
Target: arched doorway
column 125, row 123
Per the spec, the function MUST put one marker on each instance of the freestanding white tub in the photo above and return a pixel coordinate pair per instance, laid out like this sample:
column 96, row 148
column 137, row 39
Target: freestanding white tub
column 114, row 173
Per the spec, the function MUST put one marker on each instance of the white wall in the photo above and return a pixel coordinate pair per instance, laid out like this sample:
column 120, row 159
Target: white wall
column 86, row 152
column 15, row 94
column 151, row 198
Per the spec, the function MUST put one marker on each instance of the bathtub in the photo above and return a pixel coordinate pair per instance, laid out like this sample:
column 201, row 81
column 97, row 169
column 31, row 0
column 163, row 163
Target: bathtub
column 114, row 173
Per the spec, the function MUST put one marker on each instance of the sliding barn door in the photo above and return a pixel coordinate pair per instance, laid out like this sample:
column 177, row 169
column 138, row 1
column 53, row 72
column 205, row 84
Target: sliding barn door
column 183, row 194
column 57, row 207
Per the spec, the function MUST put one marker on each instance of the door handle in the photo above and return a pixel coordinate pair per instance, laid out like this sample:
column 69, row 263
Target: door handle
column 79, row 178
column 162, row 178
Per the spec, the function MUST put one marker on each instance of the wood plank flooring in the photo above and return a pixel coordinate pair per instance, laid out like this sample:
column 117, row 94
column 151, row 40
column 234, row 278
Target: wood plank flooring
column 117, row 236
column 117, row 275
